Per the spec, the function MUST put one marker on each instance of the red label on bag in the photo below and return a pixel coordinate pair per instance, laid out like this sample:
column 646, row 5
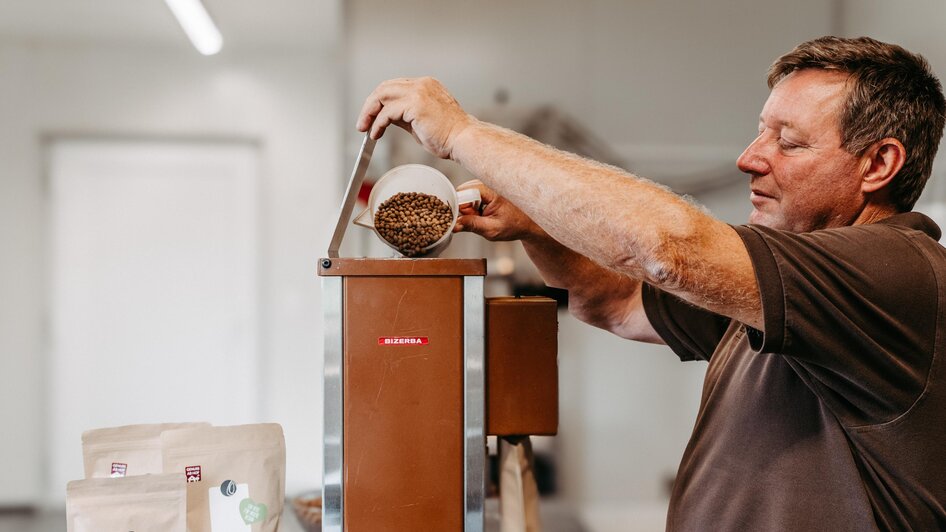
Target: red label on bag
column 118, row 469
column 402, row 340
column 193, row 473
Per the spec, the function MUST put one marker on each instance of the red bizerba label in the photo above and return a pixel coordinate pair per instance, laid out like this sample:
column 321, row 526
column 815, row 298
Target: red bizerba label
column 402, row 340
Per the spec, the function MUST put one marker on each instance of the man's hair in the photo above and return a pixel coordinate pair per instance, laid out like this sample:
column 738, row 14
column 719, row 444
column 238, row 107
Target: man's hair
column 891, row 93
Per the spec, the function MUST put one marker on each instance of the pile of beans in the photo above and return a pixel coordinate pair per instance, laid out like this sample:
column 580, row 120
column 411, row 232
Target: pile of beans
column 411, row 221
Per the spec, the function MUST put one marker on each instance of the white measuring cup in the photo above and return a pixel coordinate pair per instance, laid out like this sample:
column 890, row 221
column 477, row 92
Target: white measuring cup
column 417, row 178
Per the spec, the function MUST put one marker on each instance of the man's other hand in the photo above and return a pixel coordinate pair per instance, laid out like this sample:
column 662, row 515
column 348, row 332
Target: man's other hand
column 497, row 219
column 420, row 106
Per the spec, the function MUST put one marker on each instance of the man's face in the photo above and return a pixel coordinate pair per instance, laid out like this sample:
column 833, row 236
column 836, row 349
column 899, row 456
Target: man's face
column 801, row 179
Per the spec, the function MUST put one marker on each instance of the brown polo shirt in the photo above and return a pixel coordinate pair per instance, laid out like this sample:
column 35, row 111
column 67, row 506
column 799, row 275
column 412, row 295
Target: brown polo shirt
column 835, row 418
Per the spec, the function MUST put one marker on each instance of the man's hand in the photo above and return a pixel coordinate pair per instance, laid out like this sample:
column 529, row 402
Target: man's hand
column 420, row 106
column 497, row 219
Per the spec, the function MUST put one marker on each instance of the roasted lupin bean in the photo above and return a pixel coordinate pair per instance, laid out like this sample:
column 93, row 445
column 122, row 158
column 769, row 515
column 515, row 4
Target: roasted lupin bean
column 411, row 221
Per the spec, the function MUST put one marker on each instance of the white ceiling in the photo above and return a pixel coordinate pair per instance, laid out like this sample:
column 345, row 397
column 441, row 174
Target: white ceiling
column 243, row 23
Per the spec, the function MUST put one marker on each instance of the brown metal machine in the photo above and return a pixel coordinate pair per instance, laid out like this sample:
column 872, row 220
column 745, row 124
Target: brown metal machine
column 419, row 368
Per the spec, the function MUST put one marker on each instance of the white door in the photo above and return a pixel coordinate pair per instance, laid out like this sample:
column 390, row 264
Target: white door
column 153, row 266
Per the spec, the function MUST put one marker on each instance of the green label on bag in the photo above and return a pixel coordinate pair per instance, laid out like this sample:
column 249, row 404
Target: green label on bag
column 252, row 512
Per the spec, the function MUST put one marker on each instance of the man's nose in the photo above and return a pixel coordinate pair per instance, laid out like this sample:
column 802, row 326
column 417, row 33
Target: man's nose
column 753, row 160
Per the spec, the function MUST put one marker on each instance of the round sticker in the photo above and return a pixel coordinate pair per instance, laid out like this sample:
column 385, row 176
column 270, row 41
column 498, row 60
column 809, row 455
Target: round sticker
column 228, row 488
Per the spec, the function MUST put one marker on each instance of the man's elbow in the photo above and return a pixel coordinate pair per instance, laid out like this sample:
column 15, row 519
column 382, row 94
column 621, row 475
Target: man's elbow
column 659, row 257
column 630, row 326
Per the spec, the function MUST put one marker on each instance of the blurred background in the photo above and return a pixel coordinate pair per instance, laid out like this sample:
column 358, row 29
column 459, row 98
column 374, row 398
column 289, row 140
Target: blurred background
column 162, row 211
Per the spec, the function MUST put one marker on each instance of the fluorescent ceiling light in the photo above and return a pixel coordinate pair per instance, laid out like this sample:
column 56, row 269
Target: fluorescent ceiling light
column 197, row 24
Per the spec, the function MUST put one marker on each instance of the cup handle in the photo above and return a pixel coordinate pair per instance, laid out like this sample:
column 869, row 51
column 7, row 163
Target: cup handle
column 366, row 220
column 469, row 195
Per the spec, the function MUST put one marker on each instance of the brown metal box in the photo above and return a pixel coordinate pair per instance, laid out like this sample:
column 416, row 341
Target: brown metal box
column 521, row 366
column 403, row 391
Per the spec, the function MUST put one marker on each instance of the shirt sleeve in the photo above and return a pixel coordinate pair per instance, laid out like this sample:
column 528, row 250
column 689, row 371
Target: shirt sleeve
column 854, row 309
column 691, row 332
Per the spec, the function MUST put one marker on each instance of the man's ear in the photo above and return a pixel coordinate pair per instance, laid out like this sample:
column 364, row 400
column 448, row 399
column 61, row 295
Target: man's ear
column 881, row 162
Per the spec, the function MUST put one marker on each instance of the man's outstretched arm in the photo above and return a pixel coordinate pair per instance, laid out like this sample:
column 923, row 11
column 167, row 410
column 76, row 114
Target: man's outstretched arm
column 625, row 223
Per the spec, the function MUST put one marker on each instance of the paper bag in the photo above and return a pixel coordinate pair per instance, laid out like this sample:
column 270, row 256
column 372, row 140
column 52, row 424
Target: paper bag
column 235, row 475
column 143, row 503
column 518, row 492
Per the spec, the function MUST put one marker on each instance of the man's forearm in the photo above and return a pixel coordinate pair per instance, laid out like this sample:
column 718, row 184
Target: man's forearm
column 596, row 210
column 596, row 295
column 624, row 223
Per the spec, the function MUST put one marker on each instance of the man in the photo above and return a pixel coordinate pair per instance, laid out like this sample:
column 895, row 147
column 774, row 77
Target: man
column 824, row 403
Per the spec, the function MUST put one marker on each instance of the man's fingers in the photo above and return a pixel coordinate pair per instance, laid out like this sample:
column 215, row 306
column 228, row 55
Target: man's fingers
column 368, row 111
column 383, row 95
column 389, row 114
column 487, row 228
column 465, row 223
column 380, row 124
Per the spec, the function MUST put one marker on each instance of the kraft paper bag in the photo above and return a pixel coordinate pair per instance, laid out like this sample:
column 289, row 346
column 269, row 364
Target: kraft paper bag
column 144, row 503
column 235, row 476
column 126, row 451
column 518, row 491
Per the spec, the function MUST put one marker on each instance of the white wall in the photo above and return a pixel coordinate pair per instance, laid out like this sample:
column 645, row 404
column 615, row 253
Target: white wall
column 676, row 86
column 647, row 74
column 285, row 99
column 916, row 25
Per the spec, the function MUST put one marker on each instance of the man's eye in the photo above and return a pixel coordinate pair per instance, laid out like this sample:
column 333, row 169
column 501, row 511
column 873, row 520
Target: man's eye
column 785, row 145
